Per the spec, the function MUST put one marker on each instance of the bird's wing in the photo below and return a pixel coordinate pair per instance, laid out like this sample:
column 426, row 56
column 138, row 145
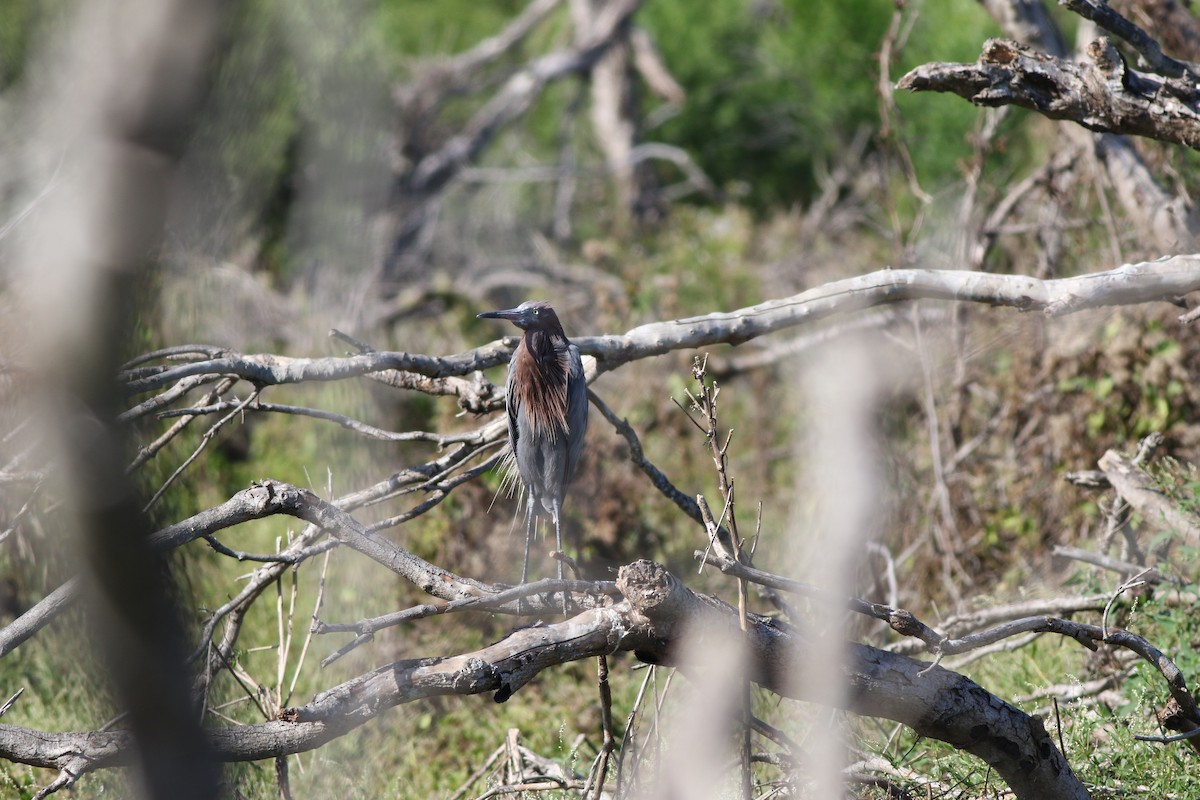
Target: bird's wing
column 512, row 402
column 577, row 410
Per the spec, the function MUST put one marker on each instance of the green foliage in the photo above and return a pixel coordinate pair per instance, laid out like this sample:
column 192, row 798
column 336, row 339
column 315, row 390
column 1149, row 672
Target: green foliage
column 1179, row 482
column 766, row 89
column 1137, row 382
column 244, row 150
column 289, row 155
column 937, row 128
column 701, row 249
column 15, row 32
column 775, row 93
column 63, row 691
column 1122, row 762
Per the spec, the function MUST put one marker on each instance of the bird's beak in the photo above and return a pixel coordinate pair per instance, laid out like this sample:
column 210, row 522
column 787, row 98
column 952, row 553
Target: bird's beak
column 508, row 313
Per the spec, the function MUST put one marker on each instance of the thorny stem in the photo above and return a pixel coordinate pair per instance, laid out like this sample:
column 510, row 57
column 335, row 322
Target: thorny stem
column 705, row 402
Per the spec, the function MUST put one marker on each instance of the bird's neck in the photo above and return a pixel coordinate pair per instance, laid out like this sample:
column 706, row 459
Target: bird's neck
column 547, row 350
column 543, row 379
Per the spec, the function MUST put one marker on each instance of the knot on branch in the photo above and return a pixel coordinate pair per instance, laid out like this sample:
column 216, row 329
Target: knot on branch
column 651, row 589
column 1105, row 57
column 474, row 672
column 1000, row 51
column 904, row 623
column 283, row 497
column 479, row 396
column 260, row 492
column 1174, row 717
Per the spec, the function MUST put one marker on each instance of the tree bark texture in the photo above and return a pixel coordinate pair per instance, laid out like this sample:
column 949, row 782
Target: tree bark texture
column 1101, row 94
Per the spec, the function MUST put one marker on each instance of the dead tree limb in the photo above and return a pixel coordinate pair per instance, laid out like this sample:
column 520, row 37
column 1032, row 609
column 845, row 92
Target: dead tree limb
column 1169, row 21
column 435, row 169
column 430, row 172
column 1162, row 217
column 269, row 498
column 1166, row 280
column 657, row 612
column 1148, row 48
column 1103, row 94
column 1138, row 489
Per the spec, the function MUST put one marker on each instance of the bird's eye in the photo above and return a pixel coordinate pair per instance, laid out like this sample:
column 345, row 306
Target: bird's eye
column 537, row 311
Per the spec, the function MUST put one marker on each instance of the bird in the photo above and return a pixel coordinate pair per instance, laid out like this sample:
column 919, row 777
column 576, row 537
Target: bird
column 547, row 414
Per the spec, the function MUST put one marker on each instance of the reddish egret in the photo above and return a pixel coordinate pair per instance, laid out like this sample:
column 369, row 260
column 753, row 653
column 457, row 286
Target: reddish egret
column 547, row 413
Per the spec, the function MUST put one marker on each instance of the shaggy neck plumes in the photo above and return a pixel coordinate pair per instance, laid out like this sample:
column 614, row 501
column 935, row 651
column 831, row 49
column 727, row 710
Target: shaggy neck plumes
column 542, row 380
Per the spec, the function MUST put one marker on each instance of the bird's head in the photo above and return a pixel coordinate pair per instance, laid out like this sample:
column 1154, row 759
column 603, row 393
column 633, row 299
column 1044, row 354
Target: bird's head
column 532, row 315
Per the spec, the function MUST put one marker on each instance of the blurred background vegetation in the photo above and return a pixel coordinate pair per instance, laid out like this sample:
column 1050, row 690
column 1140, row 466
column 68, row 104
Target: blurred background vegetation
column 288, row 201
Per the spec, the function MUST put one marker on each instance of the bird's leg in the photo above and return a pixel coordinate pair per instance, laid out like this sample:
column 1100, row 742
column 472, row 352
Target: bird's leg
column 529, row 523
column 528, row 539
column 558, row 547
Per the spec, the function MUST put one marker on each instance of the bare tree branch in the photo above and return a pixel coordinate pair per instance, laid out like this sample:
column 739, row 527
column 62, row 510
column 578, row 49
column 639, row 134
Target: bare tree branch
column 637, row 455
column 1110, row 563
column 515, row 97
column 1169, row 21
column 1163, row 280
column 483, row 435
column 37, row 617
column 1162, row 216
column 1101, row 95
column 266, row 369
column 493, row 47
column 1166, row 280
column 1138, row 489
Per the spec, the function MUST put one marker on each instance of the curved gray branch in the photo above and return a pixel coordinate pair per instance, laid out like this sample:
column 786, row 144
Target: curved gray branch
column 1167, row 279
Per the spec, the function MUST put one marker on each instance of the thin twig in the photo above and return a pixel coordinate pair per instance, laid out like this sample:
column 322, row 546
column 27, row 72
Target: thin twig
column 1132, row 583
column 637, row 455
column 308, row 637
column 370, row 431
column 1178, row 737
column 8, row 704
column 204, row 440
column 609, row 743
